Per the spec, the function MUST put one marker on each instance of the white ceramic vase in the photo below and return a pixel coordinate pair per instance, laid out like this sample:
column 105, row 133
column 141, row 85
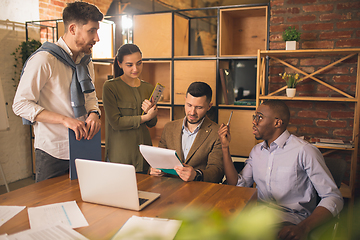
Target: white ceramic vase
column 290, row 45
column 290, row 92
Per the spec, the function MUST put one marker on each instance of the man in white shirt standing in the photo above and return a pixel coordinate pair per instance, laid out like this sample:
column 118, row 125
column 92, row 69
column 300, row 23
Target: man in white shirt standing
column 45, row 92
column 289, row 173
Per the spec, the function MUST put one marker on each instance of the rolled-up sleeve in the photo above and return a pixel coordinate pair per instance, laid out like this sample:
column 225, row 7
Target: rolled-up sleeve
column 322, row 180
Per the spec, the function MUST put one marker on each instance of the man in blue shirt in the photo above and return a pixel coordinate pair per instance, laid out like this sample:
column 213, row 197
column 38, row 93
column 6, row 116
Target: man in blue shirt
column 289, row 173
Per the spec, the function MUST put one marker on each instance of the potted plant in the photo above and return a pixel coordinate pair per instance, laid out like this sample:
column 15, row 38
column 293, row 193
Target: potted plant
column 21, row 54
column 291, row 80
column 291, row 36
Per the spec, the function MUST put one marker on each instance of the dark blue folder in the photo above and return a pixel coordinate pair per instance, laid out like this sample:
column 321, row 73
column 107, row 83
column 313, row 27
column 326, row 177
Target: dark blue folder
column 84, row 149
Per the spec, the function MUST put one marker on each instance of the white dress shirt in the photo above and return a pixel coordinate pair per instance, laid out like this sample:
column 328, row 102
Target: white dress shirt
column 45, row 84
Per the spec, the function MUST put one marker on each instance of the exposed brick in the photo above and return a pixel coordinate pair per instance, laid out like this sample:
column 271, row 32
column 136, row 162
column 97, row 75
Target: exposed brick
column 314, row 61
column 276, row 3
column 305, row 18
column 317, row 26
column 348, row 24
column 292, row 129
column 307, row 69
column 299, row 104
column 334, row 16
column 308, row 36
column 277, row 45
column 276, row 20
column 281, row 27
column 331, row 123
column 275, row 86
column 358, row 33
column 348, row 43
column 336, row 70
column 322, row 88
column 344, row 79
column 313, row 131
column 292, row 61
column 291, row 10
column 313, row 114
column 317, row 45
column 330, row 106
column 349, row 5
column 275, row 37
column 299, row 121
column 279, row 11
column 318, row 8
column 336, row 34
column 305, row 87
column 343, row 132
column 341, row 115
column 275, row 70
column 300, row 1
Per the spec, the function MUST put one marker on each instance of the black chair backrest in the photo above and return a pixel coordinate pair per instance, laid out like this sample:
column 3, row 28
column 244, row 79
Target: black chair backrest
column 337, row 168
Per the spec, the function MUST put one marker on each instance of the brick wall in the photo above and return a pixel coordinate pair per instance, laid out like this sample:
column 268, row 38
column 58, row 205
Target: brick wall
column 52, row 9
column 324, row 24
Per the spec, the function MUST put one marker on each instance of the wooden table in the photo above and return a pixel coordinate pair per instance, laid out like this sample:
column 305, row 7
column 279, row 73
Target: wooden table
column 105, row 221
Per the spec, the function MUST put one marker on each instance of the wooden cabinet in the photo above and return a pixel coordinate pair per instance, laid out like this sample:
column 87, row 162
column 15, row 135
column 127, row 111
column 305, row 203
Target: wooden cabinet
column 243, row 31
column 188, row 71
column 221, row 36
column 333, row 93
column 153, row 34
column 158, row 72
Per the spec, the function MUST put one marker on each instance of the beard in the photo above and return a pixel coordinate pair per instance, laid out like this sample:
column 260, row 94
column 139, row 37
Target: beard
column 196, row 121
column 84, row 47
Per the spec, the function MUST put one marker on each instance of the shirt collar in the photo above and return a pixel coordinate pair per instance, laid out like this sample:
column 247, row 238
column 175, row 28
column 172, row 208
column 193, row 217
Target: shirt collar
column 196, row 129
column 280, row 141
column 64, row 46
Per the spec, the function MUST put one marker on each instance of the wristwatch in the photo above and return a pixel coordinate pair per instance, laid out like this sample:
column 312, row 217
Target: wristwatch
column 199, row 175
column 94, row 111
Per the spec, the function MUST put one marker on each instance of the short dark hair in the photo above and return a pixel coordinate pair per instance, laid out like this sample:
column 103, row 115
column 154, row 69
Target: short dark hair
column 124, row 50
column 81, row 12
column 280, row 109
column 199, row 89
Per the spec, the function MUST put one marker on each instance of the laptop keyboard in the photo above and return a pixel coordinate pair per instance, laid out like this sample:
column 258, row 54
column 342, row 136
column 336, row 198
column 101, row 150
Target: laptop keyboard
column 142, row 201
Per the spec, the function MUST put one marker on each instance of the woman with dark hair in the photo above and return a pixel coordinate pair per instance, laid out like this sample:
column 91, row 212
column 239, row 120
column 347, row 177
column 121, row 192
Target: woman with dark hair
column 127, row 109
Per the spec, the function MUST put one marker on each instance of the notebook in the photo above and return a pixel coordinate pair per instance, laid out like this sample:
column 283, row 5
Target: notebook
column 112, row 184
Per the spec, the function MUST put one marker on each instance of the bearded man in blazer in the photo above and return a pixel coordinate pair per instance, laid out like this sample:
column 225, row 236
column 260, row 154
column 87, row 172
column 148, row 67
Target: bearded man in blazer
column 195, row 139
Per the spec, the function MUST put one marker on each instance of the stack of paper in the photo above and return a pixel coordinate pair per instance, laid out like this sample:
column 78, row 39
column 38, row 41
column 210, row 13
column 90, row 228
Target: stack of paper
column 139, row 228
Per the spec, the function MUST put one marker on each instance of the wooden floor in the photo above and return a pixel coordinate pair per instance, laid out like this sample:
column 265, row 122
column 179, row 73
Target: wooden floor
column 18, row 184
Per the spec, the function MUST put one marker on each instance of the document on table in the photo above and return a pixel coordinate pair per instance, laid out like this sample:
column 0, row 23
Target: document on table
column 67, row 213
column 4, row 237
column 58, row 232
column 138, row 228
column 8, row 212
column 161, row 158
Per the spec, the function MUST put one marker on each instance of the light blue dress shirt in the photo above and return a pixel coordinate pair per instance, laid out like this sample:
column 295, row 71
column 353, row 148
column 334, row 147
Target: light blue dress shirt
column 290, row 173
column 188, row 138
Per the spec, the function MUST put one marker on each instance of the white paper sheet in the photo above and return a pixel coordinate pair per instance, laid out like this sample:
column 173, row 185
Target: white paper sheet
column 58, row 232
column 8, row 212
column 67, row 213
column 160, row 157
column 139, row 228
column 4, row 237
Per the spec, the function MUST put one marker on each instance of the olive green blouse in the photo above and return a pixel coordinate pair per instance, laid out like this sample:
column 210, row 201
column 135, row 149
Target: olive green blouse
column 124, row 133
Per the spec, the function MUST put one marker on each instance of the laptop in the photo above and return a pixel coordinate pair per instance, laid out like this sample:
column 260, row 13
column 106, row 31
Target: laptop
column 112, row 184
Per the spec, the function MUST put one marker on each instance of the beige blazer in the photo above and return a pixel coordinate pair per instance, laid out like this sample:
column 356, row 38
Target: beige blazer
column 205, row 153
